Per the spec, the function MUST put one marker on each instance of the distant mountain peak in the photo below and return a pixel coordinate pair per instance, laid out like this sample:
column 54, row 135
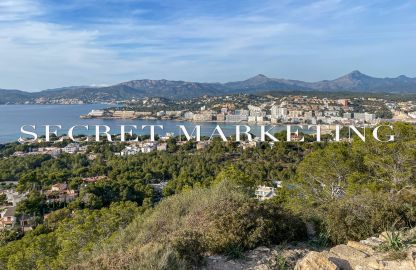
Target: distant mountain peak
column 355, row 75
column 356, row 72
column 259, row 78
column 353, row 81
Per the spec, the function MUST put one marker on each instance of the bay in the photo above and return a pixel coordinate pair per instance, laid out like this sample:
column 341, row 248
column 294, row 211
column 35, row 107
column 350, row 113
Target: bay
column 12, row 117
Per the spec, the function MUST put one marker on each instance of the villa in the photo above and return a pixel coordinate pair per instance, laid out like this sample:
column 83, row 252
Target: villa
column 8, row 219
column 264, row 193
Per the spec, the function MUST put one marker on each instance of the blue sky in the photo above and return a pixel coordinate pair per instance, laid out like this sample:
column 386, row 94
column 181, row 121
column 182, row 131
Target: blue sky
column 49, row 43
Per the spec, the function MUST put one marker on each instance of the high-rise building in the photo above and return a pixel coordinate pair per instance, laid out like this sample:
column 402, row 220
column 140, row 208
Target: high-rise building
column 278, row 112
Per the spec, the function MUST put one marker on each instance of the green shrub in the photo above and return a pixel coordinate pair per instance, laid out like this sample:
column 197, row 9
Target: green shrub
column 148, row 257
column 361, row 216
column 222, row 219
column 190, row 246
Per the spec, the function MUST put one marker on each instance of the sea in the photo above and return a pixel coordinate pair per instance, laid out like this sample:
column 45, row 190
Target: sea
column 13, row 117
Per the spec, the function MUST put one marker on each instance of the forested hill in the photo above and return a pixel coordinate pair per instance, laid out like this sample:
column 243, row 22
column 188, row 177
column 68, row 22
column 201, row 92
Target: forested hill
column 348, row 190
column 354, row 82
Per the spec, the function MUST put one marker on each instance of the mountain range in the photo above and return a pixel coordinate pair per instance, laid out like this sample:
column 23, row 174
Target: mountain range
column 354, row 82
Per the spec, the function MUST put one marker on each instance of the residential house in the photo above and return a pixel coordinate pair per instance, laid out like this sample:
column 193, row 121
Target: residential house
column 60, row 193
column 13, row 197
column 162, row 147
column 264, row 193
column 202, row 145
column 71, row 148
column 8, row 218
column 250, row 144
column 148, row 147
column 130, row 150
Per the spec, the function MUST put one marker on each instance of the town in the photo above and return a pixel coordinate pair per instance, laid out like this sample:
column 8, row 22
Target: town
column 258, row 123
column 62, row 193
column 267, row 109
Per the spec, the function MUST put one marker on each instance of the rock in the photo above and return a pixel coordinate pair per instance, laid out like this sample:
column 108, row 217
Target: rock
column 372, row 242
column 261, row 267
column 262, row 249
column 294, row 254
column 411, row 255
column 398, row 265
column 375, row 264
column 384, row 235
column 316, row 261
column 361, row 247
column 215, row 257
column 221, row 262
column 347, row 252
column 362, row 255
column 410, row 234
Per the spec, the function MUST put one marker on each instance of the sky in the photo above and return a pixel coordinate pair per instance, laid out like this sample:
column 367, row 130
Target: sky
column 49, row 44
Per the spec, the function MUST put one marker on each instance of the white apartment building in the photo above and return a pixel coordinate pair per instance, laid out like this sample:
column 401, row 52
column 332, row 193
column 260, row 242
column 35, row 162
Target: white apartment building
column 368, row 117
column 189, row 115
column 242, row 112
column 96, row 113
column 278, row 112
column 71, row 148
column 235, row 118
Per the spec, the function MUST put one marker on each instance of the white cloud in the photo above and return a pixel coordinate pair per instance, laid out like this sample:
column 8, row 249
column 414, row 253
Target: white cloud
column 49, row 55
column 275, row 38
column 12, row 10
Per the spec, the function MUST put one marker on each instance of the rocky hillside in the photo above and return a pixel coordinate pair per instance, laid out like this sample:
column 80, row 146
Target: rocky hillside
column 371, row 254
column 374, row 253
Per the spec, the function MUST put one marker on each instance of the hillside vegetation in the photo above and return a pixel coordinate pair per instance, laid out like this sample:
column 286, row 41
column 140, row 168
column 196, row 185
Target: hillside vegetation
column 345, row 191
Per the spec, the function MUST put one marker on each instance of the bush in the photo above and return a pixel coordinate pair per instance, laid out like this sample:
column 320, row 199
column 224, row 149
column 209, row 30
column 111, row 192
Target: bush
column 148, row 257
column 361, row 216
column 222, row 219
column 190, row 246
